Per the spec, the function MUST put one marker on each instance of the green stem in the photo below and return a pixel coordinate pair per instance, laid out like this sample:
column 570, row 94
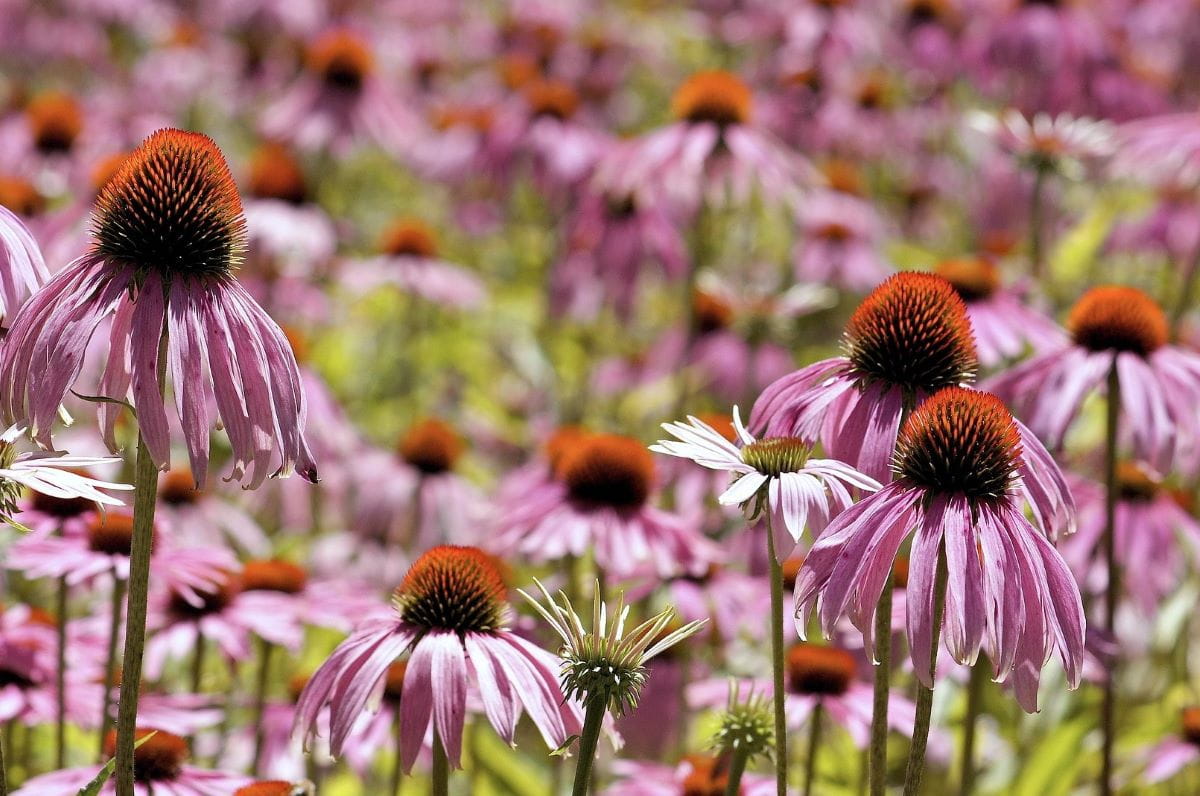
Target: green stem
column 974, row 704
column 781, row 776
column 1113, row 408
column 145, row 487
column 397, row 767
column 1036, row 214
column 60, row 678
column 737, row 766
column 441, row 768
column 114, row 632
column 814, row 740
column 593, row 719
column 260, row 699
column 877, row 760
column 3, row 774
column 1184, row 302
column 916, row 752
column 198, row 662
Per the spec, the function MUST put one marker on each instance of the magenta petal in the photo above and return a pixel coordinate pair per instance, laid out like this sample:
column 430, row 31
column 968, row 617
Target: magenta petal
column 922, row 564
column 416, row 704
column 145, row 333
column 964, row 615
column 186, row 352
column 495, row 691
column 449, row 691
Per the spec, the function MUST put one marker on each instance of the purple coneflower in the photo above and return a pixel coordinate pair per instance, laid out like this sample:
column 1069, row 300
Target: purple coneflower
column 909, row 338
column 410, row 259
column 1173, row 754
column 975, row 560
column 159, row 766
column 1119, row 334
column 22, row 270
column 599, row 501
column 452, row 622
column 1002, row 323
column 168, row 232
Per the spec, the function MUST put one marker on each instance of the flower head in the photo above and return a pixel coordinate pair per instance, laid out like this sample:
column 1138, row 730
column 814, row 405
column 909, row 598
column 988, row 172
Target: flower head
column 745, row 724
column 717, row 96
column 172, row 207
column 607, row 663
column 913, row 332
column 775, row 474
column 453, row 588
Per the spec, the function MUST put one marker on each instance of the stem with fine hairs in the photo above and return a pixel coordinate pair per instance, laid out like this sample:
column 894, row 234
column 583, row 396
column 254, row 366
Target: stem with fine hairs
column 737, row 766
column 145, row 486
column 877, row 756
column 593, row 719
column 145, row 499
column 1113, row 407
column 397, row 767
column 814, row 742
column 60, row 676
column 970, row 720
column 114, row 632
column 260, row 699
column 441, row 768
column 916, row 752
column 1036, row 220
column 781, row 763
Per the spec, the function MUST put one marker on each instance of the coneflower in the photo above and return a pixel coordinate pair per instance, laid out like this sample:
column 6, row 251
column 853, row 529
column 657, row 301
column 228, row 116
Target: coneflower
column 604, row 667
column 167, row 233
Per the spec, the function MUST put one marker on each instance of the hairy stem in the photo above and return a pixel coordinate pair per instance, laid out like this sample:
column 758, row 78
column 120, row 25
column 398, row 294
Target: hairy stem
column 974, row 704
column 1110, row 563
column 781, row 763
column 145, row 486
column 916, row 752
column 877, row 760
column 60, row 676
column 114, row 633
column 441, row 768
column 260, row 699
column 593, row 718
column 814, row 742
column 737, row 766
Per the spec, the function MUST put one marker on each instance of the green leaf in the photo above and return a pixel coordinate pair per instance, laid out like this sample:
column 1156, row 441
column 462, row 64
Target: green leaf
column 1054, row 766
column 93, row 787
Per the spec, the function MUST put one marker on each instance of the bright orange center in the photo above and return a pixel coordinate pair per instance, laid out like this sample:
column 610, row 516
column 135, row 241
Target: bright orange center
column 409, row 237
column 111, row 533
column 974, row 278
column 276, row 174
column 159, row 758
column 274, row 575
column 1135, row 483
column 710, row 313
column 843, row 175
column 432, row 446
column 552, row 98
column 479, row 118
column 177, row 487
column 453, row 588
column 912, row 331
column 561, row 442
column 274, row 787
column 609, row 470
column 1190, row 721
column 719, row 97
column 172, row 206
column 342, row 59
column 709, row 776
column 393, row 682
column 20, row 196
column 817, row 669
column 960, row 441
column 1120, row 318
column 56, row 120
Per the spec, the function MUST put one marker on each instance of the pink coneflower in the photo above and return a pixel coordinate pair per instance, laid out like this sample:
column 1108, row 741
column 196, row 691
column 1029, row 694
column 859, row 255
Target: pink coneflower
column 1150, row 528
column 287, row 233
column 100, row 547
column 452, row 616
column 410, row 260
column 823, row 676
column 1121, row 330
column 563, row 150
column 159, row 766
column 699, row 774
column 339, row 100
column 957, row 467
column 909, row 338
column 1063, row 142
column 1172, row 754
column 1003, row 325
column 168, row 232
column 776, row 475
column 839, row 245
column 611, row 238
column 599, row 502
column 424, row 500
column 202, row 518
column 22, row 270
column 712, row 152
column 182, row 622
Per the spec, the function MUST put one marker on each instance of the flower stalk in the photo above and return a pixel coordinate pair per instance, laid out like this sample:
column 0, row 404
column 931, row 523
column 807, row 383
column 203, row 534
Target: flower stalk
column 916, row 753
column 593, row 720
column 1113, row 407
column 814, row 745
column 781, row 768
column 110, row 665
